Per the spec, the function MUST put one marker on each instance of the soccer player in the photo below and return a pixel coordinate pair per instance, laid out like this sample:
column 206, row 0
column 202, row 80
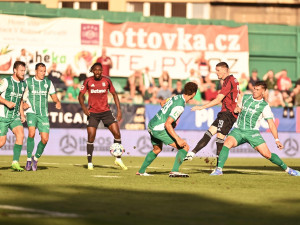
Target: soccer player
column 98, row 109
column 161, row 130
column 253, row 108
column 228, row 96
column 11, row 92
column 36, row 96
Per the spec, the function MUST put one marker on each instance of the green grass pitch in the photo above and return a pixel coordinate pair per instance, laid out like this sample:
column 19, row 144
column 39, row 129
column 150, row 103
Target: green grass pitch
column 63, row 191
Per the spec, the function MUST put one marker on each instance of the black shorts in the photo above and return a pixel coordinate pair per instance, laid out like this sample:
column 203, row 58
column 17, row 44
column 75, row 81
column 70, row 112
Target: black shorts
column 224, row 122
column 95, row 118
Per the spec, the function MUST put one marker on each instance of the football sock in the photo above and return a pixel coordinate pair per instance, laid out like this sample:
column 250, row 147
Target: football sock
column 203, row 142
column 40, row 149
column 118, row 141
column 89, row 149
column 17, row 152
column 223, row 156
column 148, row 160
column 179, row 159
column 276, row 160
column 30, row 146
column 220, row 143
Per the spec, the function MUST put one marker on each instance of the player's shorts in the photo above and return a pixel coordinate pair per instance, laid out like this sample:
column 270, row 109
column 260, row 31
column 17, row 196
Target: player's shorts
column 160, row 136
column 95, row 118
column 40, row 122
column 9, row 123
column 253, row 137
column 224, row 122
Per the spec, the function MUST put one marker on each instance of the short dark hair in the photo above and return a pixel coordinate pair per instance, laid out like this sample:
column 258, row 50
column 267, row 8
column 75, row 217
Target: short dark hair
column 95, row 64
column 39, row 65
column 18, row 63
column 190, row 88
column 261, row 83
column 222, row 64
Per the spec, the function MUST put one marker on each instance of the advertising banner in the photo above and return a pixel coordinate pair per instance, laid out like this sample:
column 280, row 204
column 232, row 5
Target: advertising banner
column 174, row 48
column 72, row 142
column 62, row 41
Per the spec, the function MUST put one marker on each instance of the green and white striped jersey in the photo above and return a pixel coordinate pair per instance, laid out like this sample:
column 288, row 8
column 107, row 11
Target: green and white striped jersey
column 36, row 95
column 12, row 91
column 174, row 107
column 252, row 112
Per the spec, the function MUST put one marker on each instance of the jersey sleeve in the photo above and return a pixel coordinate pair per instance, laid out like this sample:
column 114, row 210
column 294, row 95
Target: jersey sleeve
column 226, row 88
column 84, row 87
column 267, row 113
column 176, row 112
column 3, row 85
column 52, row 89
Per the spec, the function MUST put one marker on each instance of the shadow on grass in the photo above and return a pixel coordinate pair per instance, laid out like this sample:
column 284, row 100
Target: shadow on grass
column 98, row 205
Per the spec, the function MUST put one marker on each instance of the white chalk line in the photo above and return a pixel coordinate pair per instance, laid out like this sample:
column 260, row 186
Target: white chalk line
column 105, row 176
column 42, row 213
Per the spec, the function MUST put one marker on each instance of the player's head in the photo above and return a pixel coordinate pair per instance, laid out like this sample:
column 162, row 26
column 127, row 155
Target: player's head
column 40, row 71
column 190, row 90
column 96, row 69
column 222, row 70
column 259, row 89
column 19, row 70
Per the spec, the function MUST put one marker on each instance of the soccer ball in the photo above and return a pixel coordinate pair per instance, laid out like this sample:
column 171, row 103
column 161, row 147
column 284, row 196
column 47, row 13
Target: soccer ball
column 116, row 149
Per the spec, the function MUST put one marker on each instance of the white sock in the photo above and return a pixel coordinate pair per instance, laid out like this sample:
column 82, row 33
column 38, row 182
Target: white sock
column 219, row 168
column 191, row 154
column 35, row 158
column 29, row 159
column 90, row 164
column 15, row 161
column 119, row 159
column 287, row 169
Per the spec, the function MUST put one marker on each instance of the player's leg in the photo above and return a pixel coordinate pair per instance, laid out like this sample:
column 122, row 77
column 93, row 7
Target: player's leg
column 3, row 131
column 275, row 159
column 92, row 124
column 157, row 148
column 111, row 123
column 30, row 146
column 2, row 140
column 181, row 154
column 19, row 133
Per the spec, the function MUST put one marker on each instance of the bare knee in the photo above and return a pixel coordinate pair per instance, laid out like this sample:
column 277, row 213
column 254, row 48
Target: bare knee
column 186, row 148
column 156, row 149
column 45, row 140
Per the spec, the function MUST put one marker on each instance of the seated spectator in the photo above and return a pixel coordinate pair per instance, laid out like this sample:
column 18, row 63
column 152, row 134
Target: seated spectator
column 164, row 92
column 150, row 95
column 178, row 90
column 73, row 91
column 284, row 83
column 275, row 98
column 270, row 80
column 288, row 102
column 203, row 66
column 55, row 76
column 211, row 92
column 27, row 58
column 165, row 77
column 243, row 82
column 148, row 79
column 253, row 79
column 68, row 76
column 135, row 84
column 296, row 94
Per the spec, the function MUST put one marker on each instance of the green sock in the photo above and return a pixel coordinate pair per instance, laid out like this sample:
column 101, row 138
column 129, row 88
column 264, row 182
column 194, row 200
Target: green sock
column 148, row 160
column 179, row 159
column 30, row 146
column 223, row 156
column 40, row 149
column 276, row 160
column 17, row 152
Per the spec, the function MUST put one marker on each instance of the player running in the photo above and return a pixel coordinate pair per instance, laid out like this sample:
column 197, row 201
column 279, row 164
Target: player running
column 228, row 96
column 98, row 109
column 36, row 96
column 161, row 130
column 11, row 92
column 252, row 110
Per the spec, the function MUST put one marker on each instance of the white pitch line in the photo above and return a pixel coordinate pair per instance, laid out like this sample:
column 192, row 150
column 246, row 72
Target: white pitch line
column 104, row 176
column 44, row 212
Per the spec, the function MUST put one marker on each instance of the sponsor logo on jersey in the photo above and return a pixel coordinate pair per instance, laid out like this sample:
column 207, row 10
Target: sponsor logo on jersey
column 39, row 92
column 103, row 84
column 93, row 85
column 98, row 91
column 14, row 94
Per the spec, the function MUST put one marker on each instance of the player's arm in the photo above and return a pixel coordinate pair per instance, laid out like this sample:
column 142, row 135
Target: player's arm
column 171, row 131
column 274, row 132
column 212, row 103
column 22, row 115
column 117, row 102
column 81, row 102
column 7, row 103
column 56, row 100
column 239, row 104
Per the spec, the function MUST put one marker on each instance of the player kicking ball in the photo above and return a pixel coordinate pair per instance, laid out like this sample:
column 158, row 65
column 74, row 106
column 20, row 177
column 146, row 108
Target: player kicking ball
column 161, row 130
column 252, row 109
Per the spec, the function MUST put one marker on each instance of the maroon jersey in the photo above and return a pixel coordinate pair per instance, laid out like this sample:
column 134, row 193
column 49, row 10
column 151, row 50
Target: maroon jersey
column 106, row 63
column 231, row 91
column 97, row 90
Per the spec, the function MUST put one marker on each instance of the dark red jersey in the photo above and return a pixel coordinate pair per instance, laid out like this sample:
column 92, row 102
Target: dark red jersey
column 97, row 90
column 231, row 91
